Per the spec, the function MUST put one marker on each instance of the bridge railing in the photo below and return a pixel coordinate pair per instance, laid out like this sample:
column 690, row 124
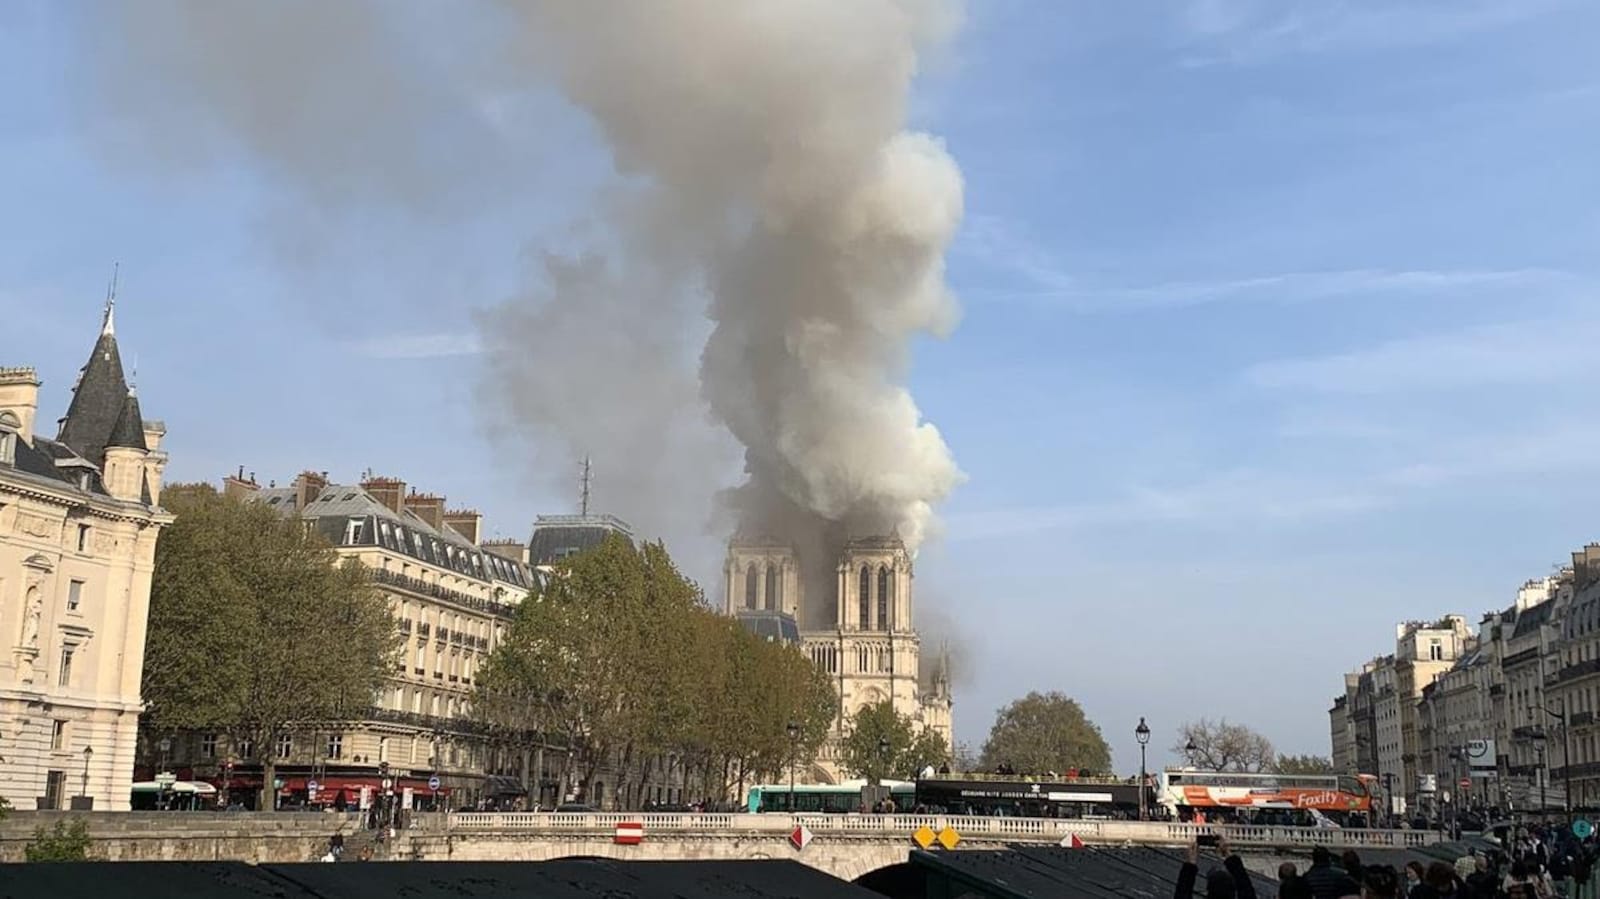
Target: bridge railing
column 1021, row 830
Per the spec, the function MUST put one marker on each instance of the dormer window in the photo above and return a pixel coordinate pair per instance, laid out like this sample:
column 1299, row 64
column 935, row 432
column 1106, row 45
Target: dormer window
column 10, row 427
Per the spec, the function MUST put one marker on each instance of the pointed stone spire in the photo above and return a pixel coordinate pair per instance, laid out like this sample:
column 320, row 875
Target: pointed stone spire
column 109, row 327
column 99, row 397
column 129, row 429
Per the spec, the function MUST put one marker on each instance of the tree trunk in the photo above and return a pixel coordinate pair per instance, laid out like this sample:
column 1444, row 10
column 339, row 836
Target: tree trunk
column 269, row 790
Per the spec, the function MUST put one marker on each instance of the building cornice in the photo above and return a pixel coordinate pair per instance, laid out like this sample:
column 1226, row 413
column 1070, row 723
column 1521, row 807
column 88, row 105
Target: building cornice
column 43, row 490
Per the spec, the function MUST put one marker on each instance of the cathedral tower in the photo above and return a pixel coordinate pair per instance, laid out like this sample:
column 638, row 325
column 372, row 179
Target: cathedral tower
column 858, row 629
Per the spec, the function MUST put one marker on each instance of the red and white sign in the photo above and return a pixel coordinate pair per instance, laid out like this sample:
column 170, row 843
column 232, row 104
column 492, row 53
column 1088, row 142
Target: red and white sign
column 630, row 833
column 1466, row 783
column 1071, row 841
column 800, row 837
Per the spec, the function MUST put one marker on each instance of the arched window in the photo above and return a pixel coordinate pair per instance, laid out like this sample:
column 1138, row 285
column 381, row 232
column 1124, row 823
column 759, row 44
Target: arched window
column 866, row 598
column 885, row 581
column 772, row 587
column 751, row 583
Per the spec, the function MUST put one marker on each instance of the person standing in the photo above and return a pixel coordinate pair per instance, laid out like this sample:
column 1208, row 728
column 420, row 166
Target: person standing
column 1231, row 881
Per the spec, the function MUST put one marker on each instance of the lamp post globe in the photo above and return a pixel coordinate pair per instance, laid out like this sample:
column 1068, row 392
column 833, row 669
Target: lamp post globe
column 1142, row 734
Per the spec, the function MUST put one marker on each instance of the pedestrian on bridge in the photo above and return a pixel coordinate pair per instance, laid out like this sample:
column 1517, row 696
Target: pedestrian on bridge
column 1231, row 881
column 1328, row 880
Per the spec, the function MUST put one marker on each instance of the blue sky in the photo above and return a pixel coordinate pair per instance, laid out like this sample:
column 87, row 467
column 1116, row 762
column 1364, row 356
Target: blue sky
column 1277, row 322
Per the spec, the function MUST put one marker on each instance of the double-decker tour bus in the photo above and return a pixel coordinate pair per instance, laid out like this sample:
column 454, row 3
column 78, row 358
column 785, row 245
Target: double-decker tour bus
column 1032, row 797
column 1341, row 798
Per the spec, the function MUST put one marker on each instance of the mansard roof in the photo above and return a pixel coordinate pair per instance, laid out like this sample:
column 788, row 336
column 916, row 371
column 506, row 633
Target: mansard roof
column 557, row 536
column 98, row 400
column 403, row 532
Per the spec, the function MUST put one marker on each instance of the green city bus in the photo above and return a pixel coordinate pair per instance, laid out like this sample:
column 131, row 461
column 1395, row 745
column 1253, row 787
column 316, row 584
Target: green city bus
column 824, row 798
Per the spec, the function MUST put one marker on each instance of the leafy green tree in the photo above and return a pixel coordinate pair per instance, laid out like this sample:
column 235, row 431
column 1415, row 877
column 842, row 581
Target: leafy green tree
column 65, row 842
column 617, row 657
column 929, row 749
column 1303, row 764
column 1224, row 746
column 256, row 629
column 879, row 744
column 1045, row 732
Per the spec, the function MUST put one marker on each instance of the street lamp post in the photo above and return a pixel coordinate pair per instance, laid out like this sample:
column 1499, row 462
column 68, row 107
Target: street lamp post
column 1566, row 756
column 794, row 743
column 1142, row 734
column 88, row 752
column 1544, row 776
column 1455, row 771
column 164, row 746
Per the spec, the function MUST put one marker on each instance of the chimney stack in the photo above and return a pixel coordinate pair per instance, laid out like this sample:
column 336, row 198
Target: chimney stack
column 239, row 487
column 515, row 550
column 428, row 507
column 19, row 395
column 308, row 486
column 466, row 522
column 389, row 491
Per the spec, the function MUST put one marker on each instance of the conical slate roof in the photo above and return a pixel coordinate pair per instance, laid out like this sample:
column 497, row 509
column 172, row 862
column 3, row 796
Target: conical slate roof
column 129, row 429
column 98, row 400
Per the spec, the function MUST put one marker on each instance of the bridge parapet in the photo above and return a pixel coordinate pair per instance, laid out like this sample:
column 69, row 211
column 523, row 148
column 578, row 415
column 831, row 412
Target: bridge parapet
column 989, row 830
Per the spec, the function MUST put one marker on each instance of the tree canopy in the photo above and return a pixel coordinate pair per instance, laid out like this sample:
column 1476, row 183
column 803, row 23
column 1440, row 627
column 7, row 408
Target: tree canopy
column 885, row 745
column 1224, row 746
column 1045, row 732
column 1304, row 764
column 256, row 629
column 617, row 656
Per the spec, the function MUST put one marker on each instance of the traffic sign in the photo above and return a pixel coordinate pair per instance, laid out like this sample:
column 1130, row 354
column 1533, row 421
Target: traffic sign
column 948, row 838
column 433, row 783
column 924, row 836
column 1071, row 841
column 166, row 779
column 800, row 837
column 1582, row 829
column 388, row 783
column 629, row 833
column 311, row 788
column 1466, row 782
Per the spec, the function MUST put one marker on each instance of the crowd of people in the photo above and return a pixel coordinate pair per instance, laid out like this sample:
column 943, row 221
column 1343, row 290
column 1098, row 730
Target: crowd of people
column 1532, row 863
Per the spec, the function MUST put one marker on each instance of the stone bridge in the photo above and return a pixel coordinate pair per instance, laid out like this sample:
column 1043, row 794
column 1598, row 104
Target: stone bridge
column 846, row 846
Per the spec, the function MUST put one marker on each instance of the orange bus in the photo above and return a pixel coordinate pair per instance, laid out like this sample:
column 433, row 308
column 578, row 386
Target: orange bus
column 1208, row 791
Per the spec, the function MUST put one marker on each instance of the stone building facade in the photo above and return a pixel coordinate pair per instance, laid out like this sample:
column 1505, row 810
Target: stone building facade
column 452, row 595
column 1378, row 728
column 1526, row 684
column 859, row 629
column 79, row 519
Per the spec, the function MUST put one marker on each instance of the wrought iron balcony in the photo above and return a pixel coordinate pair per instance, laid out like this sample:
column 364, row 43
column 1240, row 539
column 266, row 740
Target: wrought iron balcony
column 443, row 594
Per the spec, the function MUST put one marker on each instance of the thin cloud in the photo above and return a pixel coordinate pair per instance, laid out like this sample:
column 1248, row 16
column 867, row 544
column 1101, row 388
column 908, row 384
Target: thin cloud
column 1257, row 496
column 1041, row 278
column 1242, row 32
column 1520, row 353
column 1284, row 287
column 418, row 346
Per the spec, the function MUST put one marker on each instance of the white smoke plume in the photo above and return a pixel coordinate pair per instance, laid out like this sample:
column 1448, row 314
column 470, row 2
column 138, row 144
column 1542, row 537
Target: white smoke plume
column 772, row 241
column 768, row 143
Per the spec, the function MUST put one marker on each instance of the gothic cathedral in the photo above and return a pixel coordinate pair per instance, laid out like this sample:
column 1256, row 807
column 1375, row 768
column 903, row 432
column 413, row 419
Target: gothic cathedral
column 858, row 629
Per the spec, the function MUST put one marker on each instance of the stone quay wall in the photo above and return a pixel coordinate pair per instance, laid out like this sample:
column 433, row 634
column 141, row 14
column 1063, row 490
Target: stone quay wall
column 255, row 837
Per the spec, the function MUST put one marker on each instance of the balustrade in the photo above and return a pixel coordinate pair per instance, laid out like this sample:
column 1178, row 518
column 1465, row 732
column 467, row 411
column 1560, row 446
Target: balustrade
column 995, row 829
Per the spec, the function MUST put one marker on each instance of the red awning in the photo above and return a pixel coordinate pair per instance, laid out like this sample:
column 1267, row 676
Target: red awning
column 329, row 787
